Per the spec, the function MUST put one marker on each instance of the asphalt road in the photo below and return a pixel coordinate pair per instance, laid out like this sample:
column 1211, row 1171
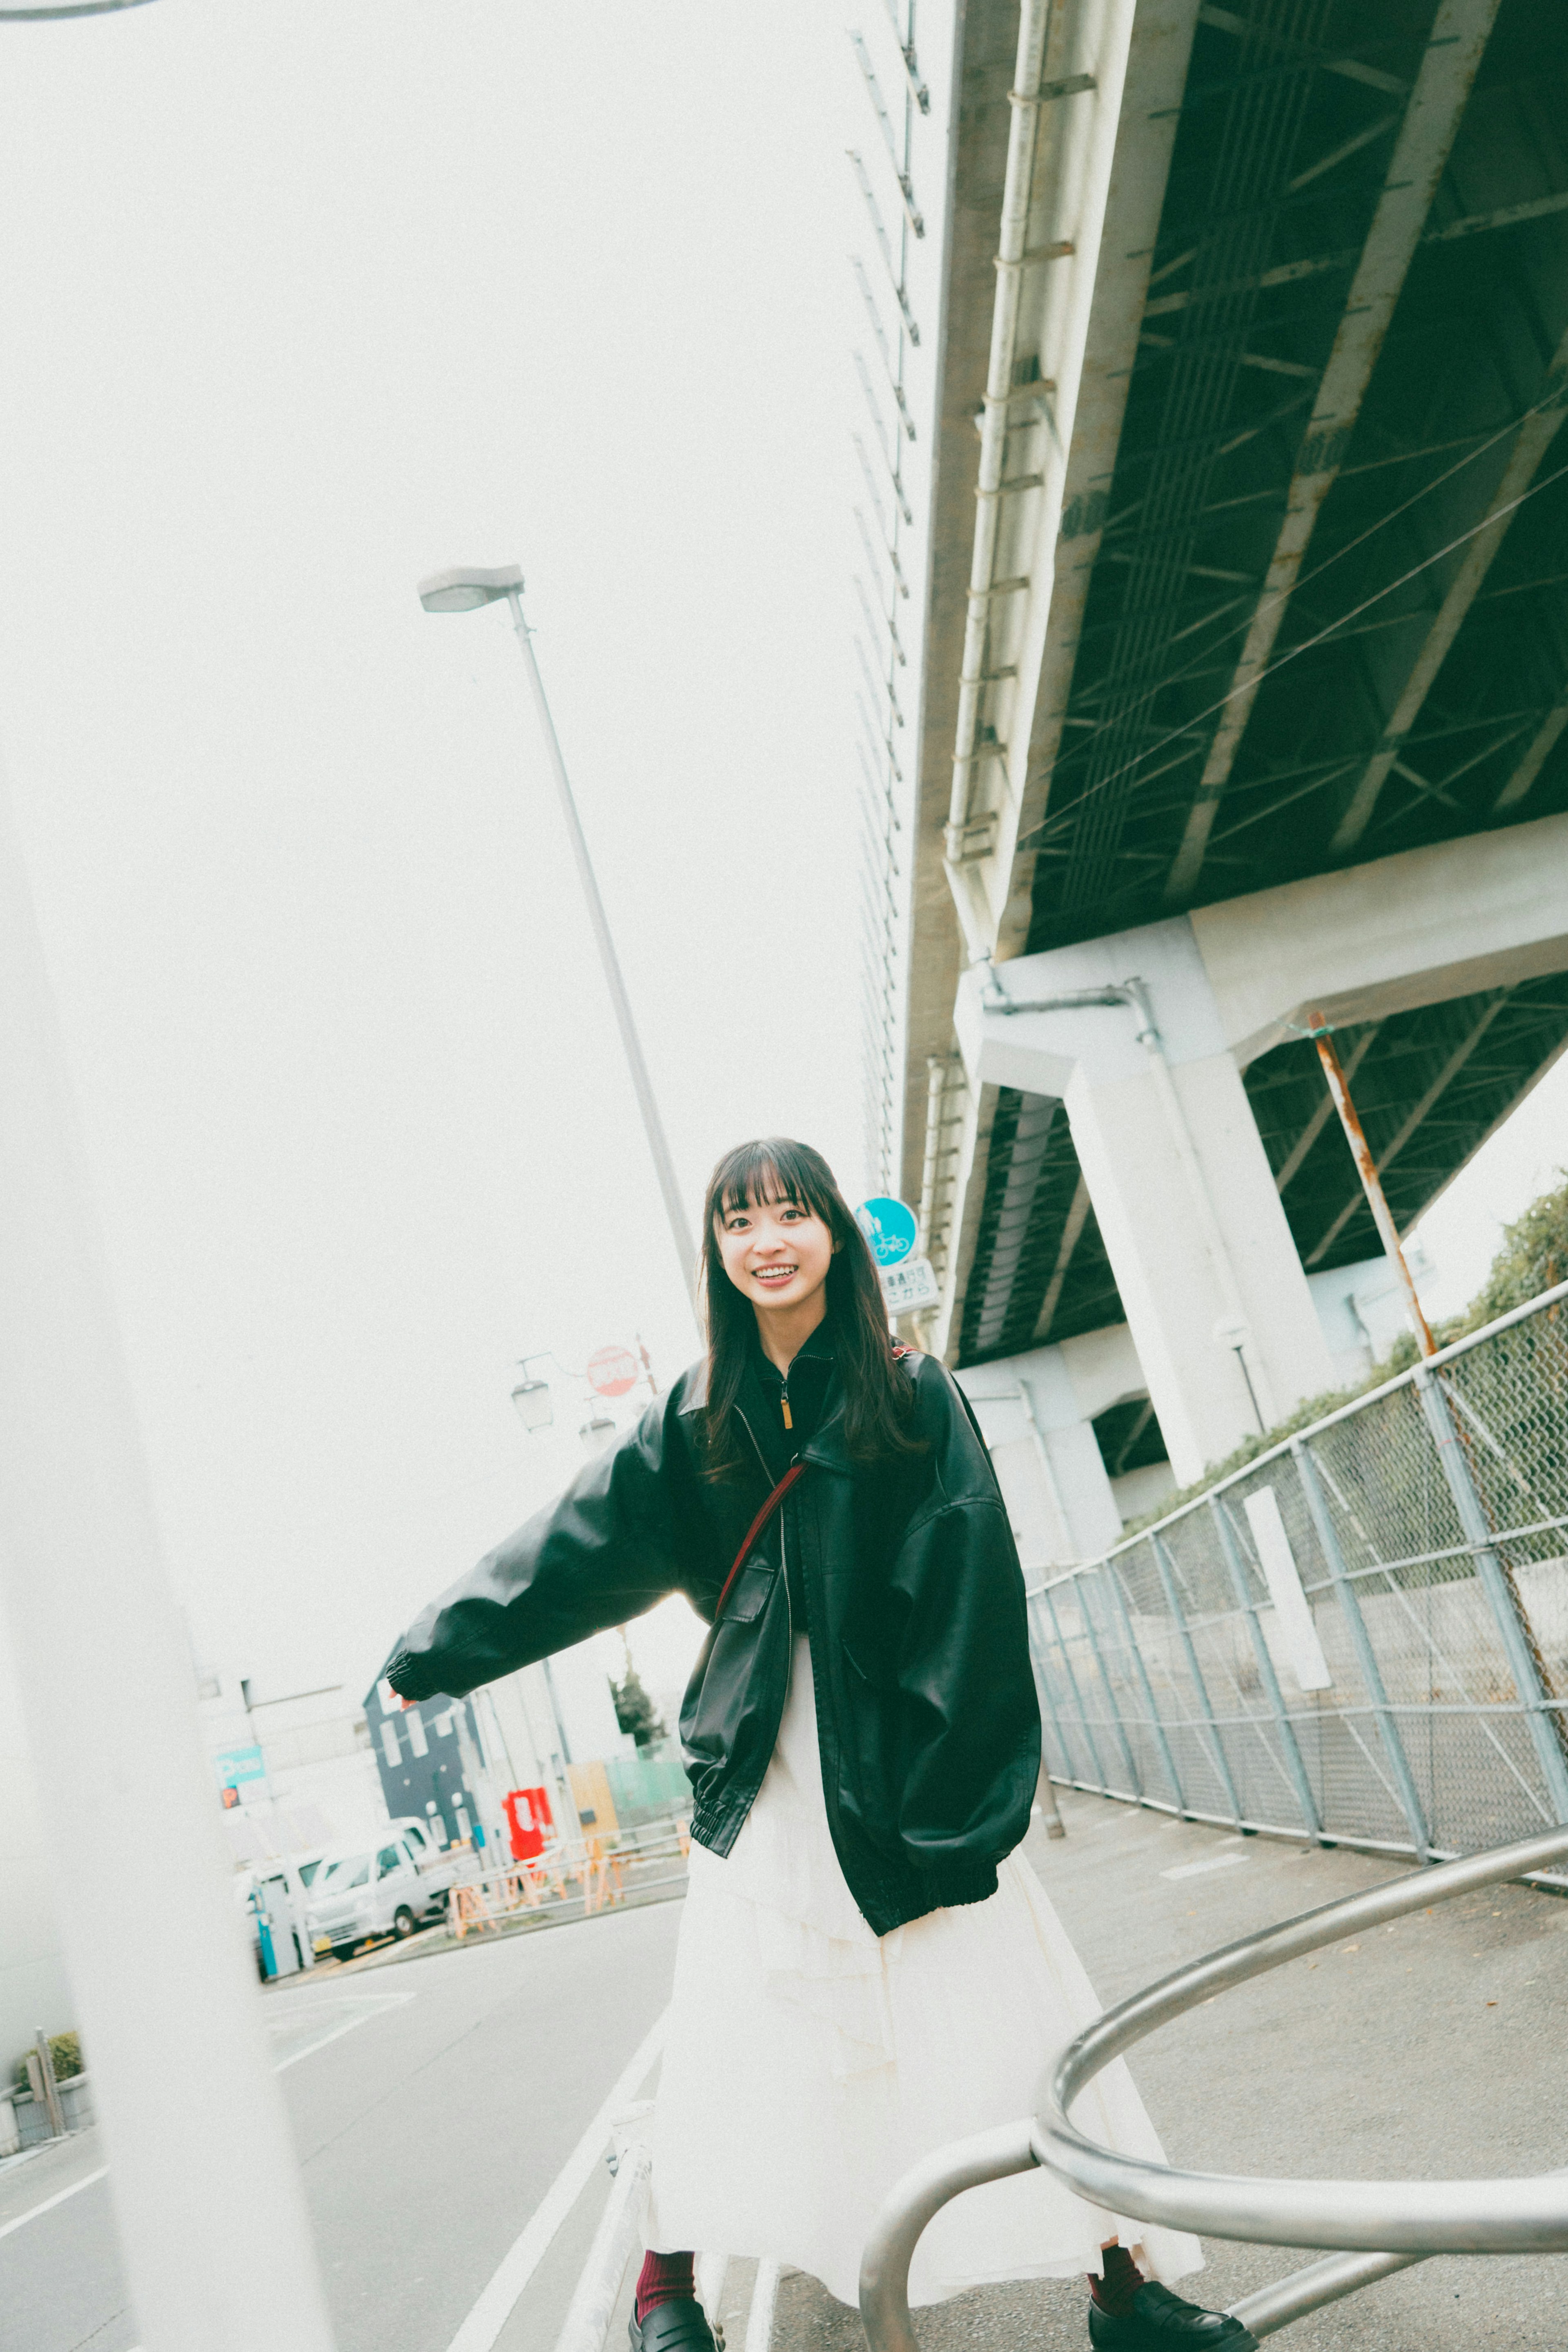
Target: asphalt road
column 433, row 2103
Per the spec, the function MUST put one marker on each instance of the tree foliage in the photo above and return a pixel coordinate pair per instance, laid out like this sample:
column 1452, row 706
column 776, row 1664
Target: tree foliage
column 634, row 1710
column 1533, row 1258
column 64, row 2055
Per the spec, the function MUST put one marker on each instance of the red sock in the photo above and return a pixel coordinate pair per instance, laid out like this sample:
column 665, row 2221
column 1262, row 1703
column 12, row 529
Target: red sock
column 1123, row 2278
column 662, row 2278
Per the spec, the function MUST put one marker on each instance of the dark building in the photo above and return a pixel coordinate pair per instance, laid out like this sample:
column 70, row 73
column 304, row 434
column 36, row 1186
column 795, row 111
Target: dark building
column 425, row 1754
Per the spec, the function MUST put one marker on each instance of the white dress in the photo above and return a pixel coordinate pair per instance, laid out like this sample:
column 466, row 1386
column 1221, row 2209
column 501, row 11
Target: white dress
column 809, row 2063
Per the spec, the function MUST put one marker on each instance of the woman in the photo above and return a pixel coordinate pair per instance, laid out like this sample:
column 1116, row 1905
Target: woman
column 865, row 1970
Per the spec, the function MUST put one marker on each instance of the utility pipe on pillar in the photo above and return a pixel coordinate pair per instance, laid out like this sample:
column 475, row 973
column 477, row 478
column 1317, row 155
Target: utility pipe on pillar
column 1045, row 1795
column 1371, row 1183
column 994, row 998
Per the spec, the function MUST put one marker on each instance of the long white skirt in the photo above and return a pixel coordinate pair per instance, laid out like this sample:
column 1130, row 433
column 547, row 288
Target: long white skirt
column 809, row 2063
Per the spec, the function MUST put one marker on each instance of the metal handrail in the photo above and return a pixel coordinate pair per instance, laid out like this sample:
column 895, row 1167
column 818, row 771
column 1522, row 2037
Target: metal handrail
column 1382, row 2226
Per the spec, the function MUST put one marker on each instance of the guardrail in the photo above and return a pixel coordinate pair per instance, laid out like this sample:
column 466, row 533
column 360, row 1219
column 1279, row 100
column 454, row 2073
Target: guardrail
column 605, row 1872
column 1359, row 1637
column 1377, row 2227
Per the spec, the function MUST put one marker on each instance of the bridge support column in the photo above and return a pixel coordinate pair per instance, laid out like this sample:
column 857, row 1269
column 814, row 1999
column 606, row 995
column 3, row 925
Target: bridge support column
column 1214, row 1292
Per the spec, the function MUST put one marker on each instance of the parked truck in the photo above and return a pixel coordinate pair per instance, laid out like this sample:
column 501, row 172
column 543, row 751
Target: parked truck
column 390, row 1888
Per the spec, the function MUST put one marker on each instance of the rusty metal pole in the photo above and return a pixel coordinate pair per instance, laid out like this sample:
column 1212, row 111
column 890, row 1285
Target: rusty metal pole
column 1366, row 1167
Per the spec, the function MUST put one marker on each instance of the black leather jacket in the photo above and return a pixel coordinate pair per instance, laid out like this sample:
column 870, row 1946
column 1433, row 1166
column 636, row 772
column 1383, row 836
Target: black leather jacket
column 928, row 1720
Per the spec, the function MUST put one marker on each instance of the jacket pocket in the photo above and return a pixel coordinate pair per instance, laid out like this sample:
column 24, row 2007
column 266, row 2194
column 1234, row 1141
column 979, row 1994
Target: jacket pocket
column 749, row 1595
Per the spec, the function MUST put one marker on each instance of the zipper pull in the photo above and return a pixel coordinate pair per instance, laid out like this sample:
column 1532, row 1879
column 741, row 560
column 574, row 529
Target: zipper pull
column 784, row 1400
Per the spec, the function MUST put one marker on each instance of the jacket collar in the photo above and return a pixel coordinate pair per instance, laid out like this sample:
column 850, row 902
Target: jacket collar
column 826, row 1447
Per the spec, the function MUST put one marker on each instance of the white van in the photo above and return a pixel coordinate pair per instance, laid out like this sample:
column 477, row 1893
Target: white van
column 386, row 1889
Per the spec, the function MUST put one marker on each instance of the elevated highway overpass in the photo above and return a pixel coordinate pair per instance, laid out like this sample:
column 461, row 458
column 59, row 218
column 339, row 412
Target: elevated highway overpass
column 1244, row 675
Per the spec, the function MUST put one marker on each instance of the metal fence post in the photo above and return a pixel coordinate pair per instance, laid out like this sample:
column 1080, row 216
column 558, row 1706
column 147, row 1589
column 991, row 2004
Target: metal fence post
column 1498, row 1586
column 1042, row 1681
column 1296, row 1764
column 1167, row 1757
column 1361, row 1641
column 45, row 2089
column 1076, row 1694
column 1167, row 1582
column 1129, row 1760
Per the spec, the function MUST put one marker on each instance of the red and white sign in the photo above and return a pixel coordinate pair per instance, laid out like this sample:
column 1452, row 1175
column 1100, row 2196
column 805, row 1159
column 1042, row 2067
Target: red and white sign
column 612, row 1371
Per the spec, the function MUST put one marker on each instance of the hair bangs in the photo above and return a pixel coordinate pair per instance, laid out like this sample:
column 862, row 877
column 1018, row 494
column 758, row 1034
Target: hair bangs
column 763, row 1173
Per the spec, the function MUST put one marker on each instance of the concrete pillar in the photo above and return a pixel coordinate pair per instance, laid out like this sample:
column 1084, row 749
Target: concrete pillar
column 1037, row 1411
column 1215, row 1295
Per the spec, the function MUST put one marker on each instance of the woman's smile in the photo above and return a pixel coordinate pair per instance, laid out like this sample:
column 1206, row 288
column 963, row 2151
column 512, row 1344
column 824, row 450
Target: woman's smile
column 775, row 1277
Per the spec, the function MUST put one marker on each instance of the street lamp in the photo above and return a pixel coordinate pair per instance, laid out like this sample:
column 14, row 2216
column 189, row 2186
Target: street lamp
column 598, row 1432
column 536, row 1407
column 463, row 590
column 67, row 8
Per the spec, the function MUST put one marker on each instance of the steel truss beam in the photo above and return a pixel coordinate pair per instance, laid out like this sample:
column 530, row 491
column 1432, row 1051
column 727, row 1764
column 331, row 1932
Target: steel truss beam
column 1536, row 436
column 1442, row 89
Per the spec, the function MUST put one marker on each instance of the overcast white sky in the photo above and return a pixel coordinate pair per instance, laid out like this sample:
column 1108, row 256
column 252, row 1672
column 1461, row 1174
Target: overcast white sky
column 301, row 304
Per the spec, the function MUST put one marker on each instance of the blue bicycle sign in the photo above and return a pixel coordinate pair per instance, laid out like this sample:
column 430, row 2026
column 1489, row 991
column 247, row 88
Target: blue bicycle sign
column 889, row 1227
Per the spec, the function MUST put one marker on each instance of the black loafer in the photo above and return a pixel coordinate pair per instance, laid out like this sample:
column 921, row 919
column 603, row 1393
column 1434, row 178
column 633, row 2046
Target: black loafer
column 680, row 2326
column 1160, row 2321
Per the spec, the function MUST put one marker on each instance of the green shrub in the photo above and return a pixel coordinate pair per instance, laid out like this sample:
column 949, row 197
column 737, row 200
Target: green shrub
column 64, row 2055
column 634, row 1710
column 1533, row 1258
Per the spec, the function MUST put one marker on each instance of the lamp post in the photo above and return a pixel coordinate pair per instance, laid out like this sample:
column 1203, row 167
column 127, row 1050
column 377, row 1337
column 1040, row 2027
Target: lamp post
column 463, row 590
column 67, row 8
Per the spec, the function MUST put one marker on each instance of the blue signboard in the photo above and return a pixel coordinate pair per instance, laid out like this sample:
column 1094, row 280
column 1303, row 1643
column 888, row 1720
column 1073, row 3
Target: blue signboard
column 233, row 1765
column 889, row 1227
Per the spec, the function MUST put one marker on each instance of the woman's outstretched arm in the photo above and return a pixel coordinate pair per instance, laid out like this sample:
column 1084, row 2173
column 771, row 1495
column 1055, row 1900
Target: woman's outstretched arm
column 607, row 1549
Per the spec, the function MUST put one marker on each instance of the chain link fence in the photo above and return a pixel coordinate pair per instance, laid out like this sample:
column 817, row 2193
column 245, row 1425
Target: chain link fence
column 1362, row 1636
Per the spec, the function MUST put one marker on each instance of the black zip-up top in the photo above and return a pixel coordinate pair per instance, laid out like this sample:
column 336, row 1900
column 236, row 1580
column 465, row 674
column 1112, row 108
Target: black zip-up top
column 781, row 1411
column 927, row 1723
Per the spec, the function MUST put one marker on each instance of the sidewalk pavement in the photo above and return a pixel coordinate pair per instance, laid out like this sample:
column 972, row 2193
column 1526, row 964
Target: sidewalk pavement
column 1436, row 2046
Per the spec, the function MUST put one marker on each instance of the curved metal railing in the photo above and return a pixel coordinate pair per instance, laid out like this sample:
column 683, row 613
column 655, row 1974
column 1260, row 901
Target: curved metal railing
column 1380, row 2226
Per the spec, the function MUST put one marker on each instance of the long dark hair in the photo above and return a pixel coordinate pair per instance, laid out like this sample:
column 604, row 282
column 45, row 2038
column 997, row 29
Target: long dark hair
column 877, row 1395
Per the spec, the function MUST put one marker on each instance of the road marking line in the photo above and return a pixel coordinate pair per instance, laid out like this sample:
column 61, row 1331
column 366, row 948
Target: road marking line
column 383, row 2002
column 517, row 2265
column 764, row 2295
column 1197, row 1869
column 58, row 2199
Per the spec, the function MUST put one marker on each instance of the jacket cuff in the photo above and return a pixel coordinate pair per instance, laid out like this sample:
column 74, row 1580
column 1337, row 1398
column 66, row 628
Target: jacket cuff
column 956, row 1883
column 403, row 1671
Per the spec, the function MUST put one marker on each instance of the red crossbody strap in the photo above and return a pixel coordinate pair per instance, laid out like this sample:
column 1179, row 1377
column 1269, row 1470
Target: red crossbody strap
column 755, row 1530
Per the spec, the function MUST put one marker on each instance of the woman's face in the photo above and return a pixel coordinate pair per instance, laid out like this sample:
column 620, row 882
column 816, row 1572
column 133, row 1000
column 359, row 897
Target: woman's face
column 777, row 1252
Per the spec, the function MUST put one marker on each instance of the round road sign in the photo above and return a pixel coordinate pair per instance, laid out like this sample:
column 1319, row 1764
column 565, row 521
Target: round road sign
column 889, row 1227
column 612, row 1370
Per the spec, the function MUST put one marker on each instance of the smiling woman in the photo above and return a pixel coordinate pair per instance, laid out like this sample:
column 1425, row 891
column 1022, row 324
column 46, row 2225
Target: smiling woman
column 866, row 1968
column 781, row 1254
